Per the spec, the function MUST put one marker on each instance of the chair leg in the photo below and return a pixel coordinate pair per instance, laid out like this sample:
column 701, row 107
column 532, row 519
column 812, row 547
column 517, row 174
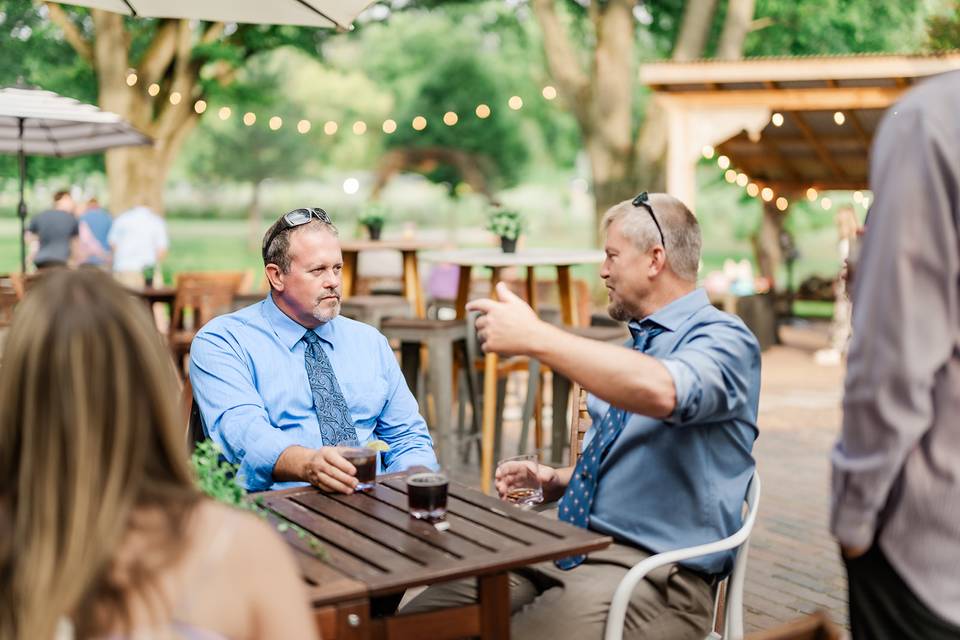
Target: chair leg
column 498, row 432
column 410, row 364
column 529, row 404
column 441, row 366
column 561, row 400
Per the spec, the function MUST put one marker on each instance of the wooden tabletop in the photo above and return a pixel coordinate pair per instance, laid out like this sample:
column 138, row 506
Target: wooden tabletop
column 372, row 544
column 154, row 294
column 491, row 257
column 396, row 244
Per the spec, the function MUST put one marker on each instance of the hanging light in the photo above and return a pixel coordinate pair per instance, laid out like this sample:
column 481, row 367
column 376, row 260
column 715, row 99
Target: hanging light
column 811, row 194
column 224, row 113
column 782, row 203
column 515, row 103
column 752, row 190
column 767, row 194
column 359, row 127
column 858, row 196
column 723, row 162
column 708, row 151
column 419, row 123
column 742, row 179
column 777, row 119
column 839, row 118
column 153, row 89
column 330, row 127
column 483, row 111
column 249, row 118
column 389, row 126
column 730, row 176
column 131, row 78
column 200, row 106
column 450, row 118
column 549, row 92
column 175, row 97
column 303, row 126
column 826, row 203
column 275, row 123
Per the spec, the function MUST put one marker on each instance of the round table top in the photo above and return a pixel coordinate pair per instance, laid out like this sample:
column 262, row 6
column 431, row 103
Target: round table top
column 396, row 244
column 493, row 257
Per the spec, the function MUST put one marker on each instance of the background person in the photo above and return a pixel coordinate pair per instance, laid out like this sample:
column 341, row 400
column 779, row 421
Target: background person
column 138, row 238
column 102, row 526
column 52, row 234
column 95, row 223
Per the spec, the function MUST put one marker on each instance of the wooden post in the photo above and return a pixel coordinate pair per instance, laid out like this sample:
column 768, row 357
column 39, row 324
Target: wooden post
column 349, row 274
column 495, row 607
column 411, row 283
column 491, row 363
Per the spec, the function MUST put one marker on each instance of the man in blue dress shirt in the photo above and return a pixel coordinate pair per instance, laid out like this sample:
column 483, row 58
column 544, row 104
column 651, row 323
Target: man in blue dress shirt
column 668, row 459
column 282, row 382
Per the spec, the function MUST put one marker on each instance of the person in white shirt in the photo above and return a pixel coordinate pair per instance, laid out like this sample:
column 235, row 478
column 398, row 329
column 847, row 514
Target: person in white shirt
column 139, row 241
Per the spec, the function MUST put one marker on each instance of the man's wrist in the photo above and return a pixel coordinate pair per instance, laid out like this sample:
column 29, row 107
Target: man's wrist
column 291, row 464
column 541, row 340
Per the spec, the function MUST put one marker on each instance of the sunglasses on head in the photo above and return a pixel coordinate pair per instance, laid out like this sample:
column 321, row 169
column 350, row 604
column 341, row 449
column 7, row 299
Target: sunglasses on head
column 293, row 219
column 643, row 200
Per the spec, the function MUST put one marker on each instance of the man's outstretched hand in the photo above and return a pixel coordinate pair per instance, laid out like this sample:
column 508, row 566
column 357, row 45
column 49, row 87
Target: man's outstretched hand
column 506, row 326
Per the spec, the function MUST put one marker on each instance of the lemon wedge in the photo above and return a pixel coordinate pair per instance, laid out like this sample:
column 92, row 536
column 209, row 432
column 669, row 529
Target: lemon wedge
column 378, row 445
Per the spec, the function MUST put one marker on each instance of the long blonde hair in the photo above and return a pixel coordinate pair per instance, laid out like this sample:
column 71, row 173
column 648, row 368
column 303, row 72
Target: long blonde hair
column 89, row 432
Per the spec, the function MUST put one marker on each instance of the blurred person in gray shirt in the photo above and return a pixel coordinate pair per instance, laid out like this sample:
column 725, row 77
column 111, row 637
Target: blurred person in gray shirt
column 896, row 467
column 52, row 234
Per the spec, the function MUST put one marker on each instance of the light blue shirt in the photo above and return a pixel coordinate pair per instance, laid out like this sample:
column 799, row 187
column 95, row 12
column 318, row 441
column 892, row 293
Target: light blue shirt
column 250, row 382
column 680, row 482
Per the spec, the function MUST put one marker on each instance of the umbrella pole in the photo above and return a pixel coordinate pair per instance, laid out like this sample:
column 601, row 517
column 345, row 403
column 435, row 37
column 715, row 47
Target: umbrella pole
column 22, row 207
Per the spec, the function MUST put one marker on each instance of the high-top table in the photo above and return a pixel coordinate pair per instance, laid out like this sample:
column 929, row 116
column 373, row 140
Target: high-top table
column 408, row 248
column 496, row 261
column 372, row 547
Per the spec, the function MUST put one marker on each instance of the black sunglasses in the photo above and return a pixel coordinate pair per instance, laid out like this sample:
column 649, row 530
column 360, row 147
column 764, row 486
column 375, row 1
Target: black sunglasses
column 643, row 200
column 293, row 219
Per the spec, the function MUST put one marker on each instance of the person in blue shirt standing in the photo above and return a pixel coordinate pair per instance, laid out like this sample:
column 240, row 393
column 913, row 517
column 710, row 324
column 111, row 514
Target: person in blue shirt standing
column 668, row 460
column 95, row 223
column 280, row 383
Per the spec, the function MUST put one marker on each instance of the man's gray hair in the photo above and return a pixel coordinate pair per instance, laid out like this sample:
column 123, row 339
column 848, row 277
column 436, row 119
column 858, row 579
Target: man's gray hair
column 278, row 252
column 681, row 231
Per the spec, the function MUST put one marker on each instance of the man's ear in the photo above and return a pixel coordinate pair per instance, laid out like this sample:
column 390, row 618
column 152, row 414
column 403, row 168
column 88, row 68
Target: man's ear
column 658, row 261
column 274, row 276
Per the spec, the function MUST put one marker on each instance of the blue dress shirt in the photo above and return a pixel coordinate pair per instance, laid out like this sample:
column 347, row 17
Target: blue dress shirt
column 680, row 482
column 250, row 382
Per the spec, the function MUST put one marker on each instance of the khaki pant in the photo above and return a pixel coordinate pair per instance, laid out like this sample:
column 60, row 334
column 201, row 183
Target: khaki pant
column 670, row 603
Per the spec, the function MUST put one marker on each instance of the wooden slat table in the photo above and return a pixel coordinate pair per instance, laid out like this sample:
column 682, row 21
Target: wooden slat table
column 496, row 261
column 374, row 548
column 408, row 248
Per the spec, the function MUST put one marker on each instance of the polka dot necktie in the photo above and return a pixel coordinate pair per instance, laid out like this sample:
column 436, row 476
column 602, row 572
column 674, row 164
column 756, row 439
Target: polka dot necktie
column 577, row 500
column 328, row 401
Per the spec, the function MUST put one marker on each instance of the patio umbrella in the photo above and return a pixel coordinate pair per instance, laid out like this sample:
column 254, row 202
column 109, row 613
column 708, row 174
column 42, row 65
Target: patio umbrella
column 43, row 123
column 306, row 13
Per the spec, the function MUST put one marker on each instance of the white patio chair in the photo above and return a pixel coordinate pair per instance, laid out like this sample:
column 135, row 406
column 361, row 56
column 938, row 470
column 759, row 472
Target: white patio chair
column 733, row 610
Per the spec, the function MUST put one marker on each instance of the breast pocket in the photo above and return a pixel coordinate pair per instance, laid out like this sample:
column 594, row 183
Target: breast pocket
column 366, row 399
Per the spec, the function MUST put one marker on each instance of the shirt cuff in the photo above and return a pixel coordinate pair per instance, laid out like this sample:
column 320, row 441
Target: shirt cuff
column 851, row 525
column 684, row 383
column 412, row 459
column 256, row 469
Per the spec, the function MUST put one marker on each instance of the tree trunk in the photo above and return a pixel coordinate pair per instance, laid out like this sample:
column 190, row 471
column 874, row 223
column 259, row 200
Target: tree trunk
column 254, row 217
column 692, row 39
column 735, row 29
column 766, row 242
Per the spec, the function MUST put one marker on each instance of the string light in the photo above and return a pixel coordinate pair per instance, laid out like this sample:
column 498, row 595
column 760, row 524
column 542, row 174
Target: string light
column 782, row 203
column 131, row 79
column 359, row 127
column 777, row 120
column 153, row 89
column 767, row 194
column 249, row 118
column 200, row 106
column 549, row 92
column 224, row 113
column 708, row 152
column 275, row 123
column 329, row 127
column 303, row 126
column 730, row 176
column 515, row 103
column 752, row 190
column 450, row 118
column 723, row 162
column 419, row 123
column 858, row 197
column 483, row 111
column 742, row 179
column 175, row 98
column 826, row 203
column 811, row 194
column 389, row 126
column 839, row 118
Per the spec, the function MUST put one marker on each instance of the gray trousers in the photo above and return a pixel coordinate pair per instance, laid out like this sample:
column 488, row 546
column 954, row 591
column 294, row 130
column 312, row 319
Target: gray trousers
column 671, row 603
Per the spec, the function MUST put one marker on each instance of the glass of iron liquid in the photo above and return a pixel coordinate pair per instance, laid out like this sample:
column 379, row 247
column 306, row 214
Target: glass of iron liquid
column 523, row 479
column 427, row 496
column 364, row 459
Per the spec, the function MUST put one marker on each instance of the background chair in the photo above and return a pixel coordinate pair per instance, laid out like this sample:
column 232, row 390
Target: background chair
column 732, row 608
column 200, row 297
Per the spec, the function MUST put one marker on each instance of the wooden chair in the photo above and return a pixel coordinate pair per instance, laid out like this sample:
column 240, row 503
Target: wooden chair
column 816, row 626
column 579, row 422
column 191, row 415
column 200, row 297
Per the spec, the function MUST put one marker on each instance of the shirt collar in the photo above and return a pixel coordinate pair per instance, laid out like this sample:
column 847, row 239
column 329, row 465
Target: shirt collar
column 289, row 331
column 671, row 316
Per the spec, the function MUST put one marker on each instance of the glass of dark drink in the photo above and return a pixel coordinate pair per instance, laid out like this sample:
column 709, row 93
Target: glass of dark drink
column 523, row 480
column 365, row 461
column 427, row 495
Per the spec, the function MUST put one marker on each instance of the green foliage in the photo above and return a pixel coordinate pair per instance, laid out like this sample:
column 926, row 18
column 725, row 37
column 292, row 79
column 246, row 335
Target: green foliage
column 943, row 31
column 374, row 215
column 506, row 223
column 217, row 480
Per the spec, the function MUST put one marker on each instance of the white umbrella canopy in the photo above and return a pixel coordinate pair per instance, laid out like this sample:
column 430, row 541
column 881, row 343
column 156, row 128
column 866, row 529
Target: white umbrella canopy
column 338, row 14
column 43, row 123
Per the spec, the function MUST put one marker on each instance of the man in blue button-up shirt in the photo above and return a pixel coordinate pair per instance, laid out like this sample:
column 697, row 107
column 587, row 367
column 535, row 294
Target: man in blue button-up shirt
column 253, row 388
column 677, row 461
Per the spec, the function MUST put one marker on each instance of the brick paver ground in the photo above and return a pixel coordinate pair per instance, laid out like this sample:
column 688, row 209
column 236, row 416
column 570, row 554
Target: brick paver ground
column 793, row 567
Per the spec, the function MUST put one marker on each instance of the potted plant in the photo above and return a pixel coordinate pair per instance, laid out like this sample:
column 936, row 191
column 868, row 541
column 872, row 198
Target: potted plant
column 373, row 219
column 507, row 224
